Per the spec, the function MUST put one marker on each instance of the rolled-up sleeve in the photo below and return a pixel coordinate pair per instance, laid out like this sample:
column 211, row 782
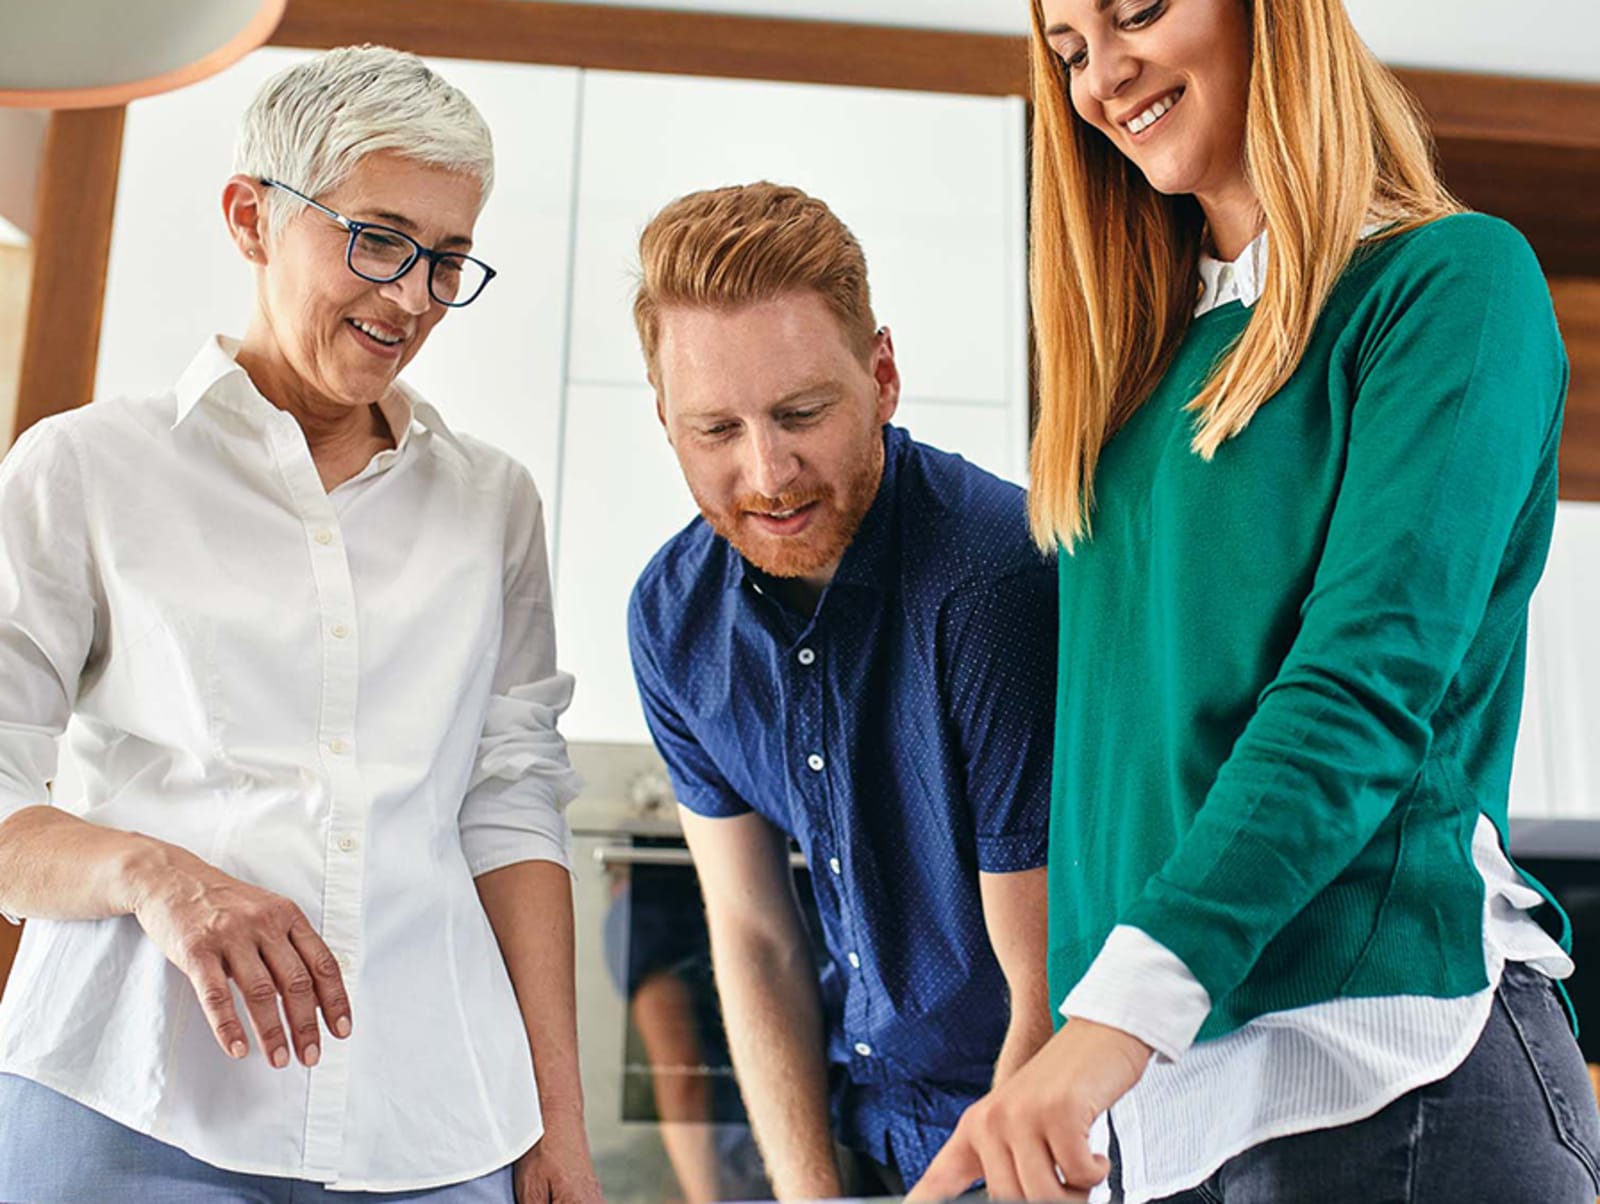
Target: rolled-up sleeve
column 697, row 783
column 515, row 808
column 47, row 609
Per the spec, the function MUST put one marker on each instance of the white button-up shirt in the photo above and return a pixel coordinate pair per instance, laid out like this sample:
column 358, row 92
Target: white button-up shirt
column 348, row 698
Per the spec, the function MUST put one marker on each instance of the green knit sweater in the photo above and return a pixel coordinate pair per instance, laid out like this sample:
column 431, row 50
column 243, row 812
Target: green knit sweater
column 1290, row 678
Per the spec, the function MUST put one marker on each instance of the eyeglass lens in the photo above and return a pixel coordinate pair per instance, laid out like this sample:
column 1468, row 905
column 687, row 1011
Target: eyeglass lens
column 382, row 255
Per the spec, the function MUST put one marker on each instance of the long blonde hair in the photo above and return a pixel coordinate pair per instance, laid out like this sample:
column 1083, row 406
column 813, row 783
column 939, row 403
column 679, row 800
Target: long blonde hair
column 1332, row 142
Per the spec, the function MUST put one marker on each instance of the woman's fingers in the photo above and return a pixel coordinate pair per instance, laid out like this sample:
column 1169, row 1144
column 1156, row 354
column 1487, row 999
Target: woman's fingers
column 216, row 928
column 326, row 977
column 298, row 991
column 999, row 1168
column 1079, row 1168
column 212, row 988
column 953, row 1169
column 1038, row 1173
column 260, row 993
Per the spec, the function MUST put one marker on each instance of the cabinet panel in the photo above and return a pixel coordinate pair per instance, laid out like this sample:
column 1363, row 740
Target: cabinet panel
column 992, row 437
column 622, row 498
column 494, row 369
column 931, row 185
column 1558, row 769
column 173, row 276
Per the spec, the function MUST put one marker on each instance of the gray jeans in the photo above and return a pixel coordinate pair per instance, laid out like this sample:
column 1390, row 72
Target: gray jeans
column 53, row 1150
column 1516, row 1123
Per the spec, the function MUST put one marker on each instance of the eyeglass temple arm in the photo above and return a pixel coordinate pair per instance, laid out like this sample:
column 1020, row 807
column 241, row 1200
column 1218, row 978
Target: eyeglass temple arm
column 338, row 217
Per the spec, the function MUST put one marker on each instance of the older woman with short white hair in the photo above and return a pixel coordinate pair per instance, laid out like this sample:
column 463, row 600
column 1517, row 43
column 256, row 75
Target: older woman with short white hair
column 308, row 929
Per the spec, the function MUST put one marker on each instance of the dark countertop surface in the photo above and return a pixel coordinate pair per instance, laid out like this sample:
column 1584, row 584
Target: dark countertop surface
column 1566, row 838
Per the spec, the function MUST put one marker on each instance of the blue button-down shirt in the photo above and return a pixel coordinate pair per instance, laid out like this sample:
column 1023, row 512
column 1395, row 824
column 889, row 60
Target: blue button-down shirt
column 902, row 736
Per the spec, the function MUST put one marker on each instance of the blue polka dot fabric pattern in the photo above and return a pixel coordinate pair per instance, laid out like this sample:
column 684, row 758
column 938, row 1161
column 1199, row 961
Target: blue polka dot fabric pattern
column 902, row 736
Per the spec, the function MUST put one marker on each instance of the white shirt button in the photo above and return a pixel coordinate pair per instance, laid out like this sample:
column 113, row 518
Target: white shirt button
column 338, row 746
column 807, row 657
column 324, row 537
column 855, row 961
column 348, row 844
column 816, row 762
column 1225, row 276
column 863, row 1049
column 345, row 962
column 340, row 631
column 833, row 864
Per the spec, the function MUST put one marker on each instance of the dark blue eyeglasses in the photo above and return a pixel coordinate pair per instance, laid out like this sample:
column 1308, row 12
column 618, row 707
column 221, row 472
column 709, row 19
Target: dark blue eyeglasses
column 382, row 254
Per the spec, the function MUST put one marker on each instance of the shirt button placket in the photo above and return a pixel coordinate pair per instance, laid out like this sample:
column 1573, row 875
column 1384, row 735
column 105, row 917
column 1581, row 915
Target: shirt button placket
column 345, row 866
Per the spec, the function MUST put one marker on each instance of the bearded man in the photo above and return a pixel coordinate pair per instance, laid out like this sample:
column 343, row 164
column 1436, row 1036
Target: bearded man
column 852, row 648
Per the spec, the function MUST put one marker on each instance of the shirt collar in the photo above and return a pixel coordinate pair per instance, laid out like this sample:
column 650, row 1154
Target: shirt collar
column 1242, row 279
column 865, row 560
column 1245, row 278
column 215, row 377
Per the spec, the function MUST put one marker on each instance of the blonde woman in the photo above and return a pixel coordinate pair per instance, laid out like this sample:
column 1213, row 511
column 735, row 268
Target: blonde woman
column 1297, row 449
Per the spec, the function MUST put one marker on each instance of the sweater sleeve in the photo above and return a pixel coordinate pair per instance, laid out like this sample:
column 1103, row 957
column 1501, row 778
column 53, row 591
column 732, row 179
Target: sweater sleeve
column 1459, row 378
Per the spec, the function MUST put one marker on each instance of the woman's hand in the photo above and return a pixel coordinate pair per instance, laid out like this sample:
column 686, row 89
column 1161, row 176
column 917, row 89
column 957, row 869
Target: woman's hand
column 221, row 931
column 1039, row 1119
column 558, row 1170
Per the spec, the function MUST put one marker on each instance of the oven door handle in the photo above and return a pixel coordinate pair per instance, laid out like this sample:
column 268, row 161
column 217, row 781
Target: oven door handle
column 630, row 855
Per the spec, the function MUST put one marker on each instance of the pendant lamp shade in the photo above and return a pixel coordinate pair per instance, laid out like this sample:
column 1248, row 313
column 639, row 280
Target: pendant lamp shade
column 80, row 54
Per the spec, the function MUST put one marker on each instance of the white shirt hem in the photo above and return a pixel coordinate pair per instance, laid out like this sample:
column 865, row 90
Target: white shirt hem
column 158, row 1131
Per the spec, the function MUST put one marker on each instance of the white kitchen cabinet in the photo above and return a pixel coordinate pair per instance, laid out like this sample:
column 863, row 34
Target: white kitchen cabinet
column 494, row 369
column 1557, row 772
column 932, row 186
column 992, row 437
column 623, row 497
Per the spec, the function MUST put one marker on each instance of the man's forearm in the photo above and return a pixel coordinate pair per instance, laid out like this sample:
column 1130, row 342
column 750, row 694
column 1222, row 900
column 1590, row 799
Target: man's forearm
column 1014, row 910
column 1030, row 1027
column 774, row 1023
column 529, row 905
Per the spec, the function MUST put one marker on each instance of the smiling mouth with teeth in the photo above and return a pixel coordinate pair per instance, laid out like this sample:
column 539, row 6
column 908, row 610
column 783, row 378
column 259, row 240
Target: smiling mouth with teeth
column 1143, row 121
column 377, row 335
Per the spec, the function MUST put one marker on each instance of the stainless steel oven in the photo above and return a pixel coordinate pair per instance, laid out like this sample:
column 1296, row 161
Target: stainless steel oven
column 664, row 1113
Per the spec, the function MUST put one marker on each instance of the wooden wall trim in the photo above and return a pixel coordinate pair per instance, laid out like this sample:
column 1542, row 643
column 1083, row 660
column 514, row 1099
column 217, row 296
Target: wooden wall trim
column 1496, row 108
column 1460, row 104
column 10, row 937
column 72, row 244
column 671, row 41
column 1578, row 310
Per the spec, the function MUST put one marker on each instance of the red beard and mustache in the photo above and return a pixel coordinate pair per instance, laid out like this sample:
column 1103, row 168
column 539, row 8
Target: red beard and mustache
column 833, row 524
